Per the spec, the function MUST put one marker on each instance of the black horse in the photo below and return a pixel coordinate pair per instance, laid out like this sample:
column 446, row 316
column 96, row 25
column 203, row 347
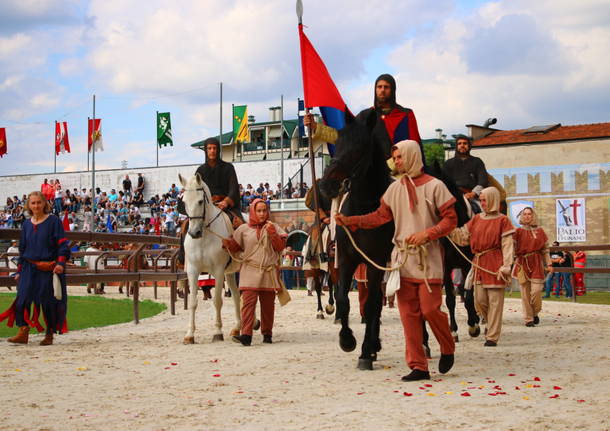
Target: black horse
column 359, row 165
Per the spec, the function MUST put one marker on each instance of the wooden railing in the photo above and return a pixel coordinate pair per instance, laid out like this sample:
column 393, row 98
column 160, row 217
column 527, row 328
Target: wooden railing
column 132, row 273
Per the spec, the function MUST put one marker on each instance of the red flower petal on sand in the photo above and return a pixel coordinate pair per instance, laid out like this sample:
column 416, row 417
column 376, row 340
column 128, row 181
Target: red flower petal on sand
column 215, row 375
column 492, row 394
column 428, row 385
column 557, row 388
column 554, row 396
column 536, row 379
column 580, row 401
column 498, row 388
column 517, row 388
column 535, row 386
column 465, row 394
column 174, row 363
column 359, row 393
column 511, row 374
column 396, row 391
column 407, row 394
column 167, row 368
column 491, row 381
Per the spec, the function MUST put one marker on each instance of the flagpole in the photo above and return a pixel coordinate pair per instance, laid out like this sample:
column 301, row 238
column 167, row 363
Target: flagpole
column 93, row 205
column 316, row 201
column 220, row 135
column 233, row 128
column 88, row 144
column 55, row 151
column 282, row 143
column 157, row 143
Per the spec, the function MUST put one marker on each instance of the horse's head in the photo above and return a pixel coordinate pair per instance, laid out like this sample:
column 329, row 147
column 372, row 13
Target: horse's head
column 196, row 198
column 354, row 153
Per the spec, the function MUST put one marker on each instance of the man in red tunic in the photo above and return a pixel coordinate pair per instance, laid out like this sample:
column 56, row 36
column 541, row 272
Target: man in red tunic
column 490, row 235
column 423, row 211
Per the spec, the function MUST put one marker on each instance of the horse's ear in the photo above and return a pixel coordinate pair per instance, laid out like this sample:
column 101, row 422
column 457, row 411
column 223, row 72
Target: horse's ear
column 371, row 120
column 182, row 181
column 198, row 177
column 349, row 117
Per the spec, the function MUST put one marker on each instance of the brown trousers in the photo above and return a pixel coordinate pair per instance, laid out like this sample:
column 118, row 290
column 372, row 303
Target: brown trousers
column 531, row 299
column 248, row 308
column 415, row 304
column 489, row 303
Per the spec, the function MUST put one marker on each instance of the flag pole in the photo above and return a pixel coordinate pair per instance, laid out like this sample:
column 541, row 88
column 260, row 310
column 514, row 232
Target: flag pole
column 220, row 135
column 55, row 151
column 316, row 201
column 93, row 206
column 157, row 142
column 233, row 128
column 88, row 119
column 282, row 143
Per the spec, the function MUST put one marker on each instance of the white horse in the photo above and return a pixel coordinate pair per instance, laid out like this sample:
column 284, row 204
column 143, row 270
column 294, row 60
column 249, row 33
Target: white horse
column 203, row 252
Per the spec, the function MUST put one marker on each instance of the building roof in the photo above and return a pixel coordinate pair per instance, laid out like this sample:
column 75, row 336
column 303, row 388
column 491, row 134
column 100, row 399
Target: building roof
column 543, row 134
column 227, row 138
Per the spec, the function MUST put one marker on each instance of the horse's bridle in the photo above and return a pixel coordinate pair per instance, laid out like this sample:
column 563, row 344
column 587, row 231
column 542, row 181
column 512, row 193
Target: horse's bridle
column 206, row 201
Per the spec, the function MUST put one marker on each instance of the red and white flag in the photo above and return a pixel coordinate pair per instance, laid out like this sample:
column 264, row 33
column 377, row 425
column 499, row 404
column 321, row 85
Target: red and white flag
column 3, row 145
column 62, row 145
column 95, row 135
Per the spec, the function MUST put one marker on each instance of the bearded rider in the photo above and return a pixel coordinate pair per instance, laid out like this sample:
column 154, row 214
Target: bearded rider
column 394, row 123
column 468, row 172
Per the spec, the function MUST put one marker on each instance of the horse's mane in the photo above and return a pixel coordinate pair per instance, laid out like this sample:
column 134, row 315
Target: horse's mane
column 460, row 206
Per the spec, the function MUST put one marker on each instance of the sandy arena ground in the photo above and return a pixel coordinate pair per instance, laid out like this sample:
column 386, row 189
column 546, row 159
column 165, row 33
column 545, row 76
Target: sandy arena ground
column 141, row 377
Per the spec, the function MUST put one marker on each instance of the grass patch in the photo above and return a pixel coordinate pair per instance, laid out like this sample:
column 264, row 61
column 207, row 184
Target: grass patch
column 91, row 311
column 594, row 297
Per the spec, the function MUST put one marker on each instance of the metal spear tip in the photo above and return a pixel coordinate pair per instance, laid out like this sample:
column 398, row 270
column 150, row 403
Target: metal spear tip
column 300, row 11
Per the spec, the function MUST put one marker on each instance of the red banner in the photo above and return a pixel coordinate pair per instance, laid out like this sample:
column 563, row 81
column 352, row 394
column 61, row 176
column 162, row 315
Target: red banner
column 62, row 145
column 3, row 145
column 94, row 135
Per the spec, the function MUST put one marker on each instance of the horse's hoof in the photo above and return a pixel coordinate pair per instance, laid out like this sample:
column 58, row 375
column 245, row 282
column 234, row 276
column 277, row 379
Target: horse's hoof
column 347, row 343
column 320, row 315
column 474, row 331
column 337, row 321
column 257, row 325
column 427, row 351
column 365, row 364
column 234, row 332
column 218, row 337
column 189, row 340
column 330, row 309
column 455, row 336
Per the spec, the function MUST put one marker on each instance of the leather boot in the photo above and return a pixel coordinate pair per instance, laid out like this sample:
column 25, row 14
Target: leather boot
column 48, row 340
column 22, row 336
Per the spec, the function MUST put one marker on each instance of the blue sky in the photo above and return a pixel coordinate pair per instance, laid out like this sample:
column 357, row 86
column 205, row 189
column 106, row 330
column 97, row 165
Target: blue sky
column 456, row 62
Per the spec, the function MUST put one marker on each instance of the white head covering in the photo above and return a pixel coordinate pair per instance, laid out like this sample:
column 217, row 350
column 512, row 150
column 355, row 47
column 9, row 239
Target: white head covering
column 492, row 196
column 412, row 167
column 411, row 157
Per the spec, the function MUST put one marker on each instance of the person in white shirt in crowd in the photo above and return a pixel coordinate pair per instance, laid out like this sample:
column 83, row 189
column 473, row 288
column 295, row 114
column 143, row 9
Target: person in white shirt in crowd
column 98, row 288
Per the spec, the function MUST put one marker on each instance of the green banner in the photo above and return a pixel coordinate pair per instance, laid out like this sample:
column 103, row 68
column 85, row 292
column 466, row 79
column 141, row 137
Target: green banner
column 164, row 129
column 240, row 123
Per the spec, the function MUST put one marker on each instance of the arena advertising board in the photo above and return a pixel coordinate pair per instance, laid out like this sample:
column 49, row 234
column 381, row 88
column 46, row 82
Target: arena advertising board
column 571, row 221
